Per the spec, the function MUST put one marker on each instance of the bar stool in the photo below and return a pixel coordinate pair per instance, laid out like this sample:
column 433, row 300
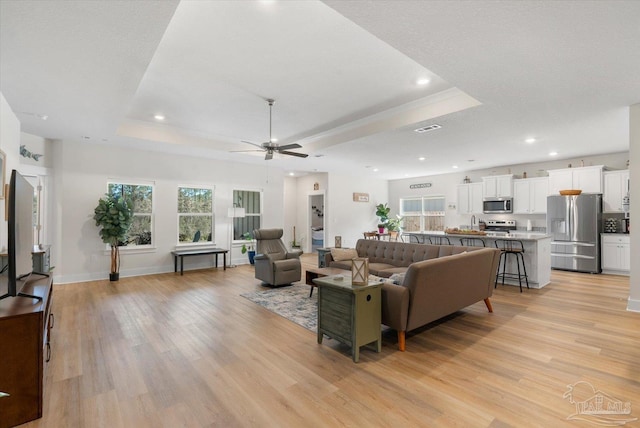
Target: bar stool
column 439, row 240
column 516, row 248
column 472, row 242
column 416, row 239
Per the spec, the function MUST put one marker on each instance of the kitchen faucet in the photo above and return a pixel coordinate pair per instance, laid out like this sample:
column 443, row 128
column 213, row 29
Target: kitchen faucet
column 473, row 221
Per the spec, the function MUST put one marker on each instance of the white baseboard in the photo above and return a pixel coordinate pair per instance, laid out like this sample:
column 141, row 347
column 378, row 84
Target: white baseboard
column 633, row 305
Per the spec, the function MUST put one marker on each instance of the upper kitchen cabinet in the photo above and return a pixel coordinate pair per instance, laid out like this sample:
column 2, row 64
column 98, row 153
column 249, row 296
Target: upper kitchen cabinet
column 616, row 187
column 470, row 198
column 498, row 186
column 587, row 178
column 530, row 195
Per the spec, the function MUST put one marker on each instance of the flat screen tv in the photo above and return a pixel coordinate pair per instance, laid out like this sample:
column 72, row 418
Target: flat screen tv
column 20, row 220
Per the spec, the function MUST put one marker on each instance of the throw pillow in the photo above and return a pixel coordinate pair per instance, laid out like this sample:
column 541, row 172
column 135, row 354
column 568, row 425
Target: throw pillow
column 397, row 278
column 341, row 254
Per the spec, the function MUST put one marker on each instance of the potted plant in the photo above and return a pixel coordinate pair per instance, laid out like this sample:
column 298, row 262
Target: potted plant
column 247, row 247
column 393, row 224
column 382, row 211
column 113, row 216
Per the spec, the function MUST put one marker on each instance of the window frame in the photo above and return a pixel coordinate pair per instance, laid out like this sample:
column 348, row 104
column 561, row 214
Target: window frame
column 152, row 184
column 247, row 214
column 212, row 214
column 423, row 214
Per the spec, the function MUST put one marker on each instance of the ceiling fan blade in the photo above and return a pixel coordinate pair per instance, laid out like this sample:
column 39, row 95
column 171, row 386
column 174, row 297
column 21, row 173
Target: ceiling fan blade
column 289, row 146
column 285, row 152
column 268, row 156
column 245, row 151
column 253, row 144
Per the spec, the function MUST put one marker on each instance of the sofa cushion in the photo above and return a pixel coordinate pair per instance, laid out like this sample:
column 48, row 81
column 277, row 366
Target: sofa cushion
column 378, row 268
column 340, row 254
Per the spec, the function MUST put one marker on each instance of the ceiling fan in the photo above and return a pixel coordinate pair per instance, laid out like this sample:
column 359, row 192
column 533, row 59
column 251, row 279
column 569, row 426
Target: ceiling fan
column 270, row 147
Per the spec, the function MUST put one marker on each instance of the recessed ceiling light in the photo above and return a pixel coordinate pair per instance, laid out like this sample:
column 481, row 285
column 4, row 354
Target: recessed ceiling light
column 455, row 167
column 530, row 140
column 291, row 174
column 553, row 153
column 375, row 169
column 423, row 81
column 158, row 117
column 274, row 140
column 428, row 128
column 421, row 158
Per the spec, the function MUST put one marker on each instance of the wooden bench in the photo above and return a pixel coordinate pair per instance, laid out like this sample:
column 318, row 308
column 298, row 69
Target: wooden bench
column 198, row 252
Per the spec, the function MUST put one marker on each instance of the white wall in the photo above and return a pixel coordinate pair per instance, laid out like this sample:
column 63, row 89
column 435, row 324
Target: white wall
column 634, row 198
column 446, row 185
column 82, row 170
column 349, row 219
column 10, row 145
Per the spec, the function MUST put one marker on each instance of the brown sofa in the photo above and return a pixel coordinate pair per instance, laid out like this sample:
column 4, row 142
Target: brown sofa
column 438, row 280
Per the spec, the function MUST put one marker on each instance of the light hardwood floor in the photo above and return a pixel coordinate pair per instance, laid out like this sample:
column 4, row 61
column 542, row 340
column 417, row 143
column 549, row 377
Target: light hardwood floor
column 169, row 350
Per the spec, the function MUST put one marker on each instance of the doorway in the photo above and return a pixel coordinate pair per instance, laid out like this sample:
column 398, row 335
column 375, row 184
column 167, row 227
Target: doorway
column 315, row 218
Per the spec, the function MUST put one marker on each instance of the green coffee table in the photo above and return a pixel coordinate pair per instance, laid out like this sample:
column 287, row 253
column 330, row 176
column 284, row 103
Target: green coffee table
column 349, row 313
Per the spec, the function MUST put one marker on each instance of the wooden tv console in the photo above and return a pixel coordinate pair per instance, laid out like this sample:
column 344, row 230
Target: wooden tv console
column 25, row 327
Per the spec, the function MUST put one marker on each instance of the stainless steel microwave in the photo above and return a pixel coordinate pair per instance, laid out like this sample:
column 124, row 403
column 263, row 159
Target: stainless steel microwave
column 497, row 206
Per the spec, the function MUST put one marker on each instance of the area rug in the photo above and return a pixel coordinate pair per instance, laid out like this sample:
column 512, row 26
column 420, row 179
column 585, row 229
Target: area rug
column 292, row 303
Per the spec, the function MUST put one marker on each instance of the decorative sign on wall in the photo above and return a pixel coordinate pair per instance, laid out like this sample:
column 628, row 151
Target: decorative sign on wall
column 419, row 185
column 361, row 197
column 338, row 242
column 27, row 154
column 316, row 186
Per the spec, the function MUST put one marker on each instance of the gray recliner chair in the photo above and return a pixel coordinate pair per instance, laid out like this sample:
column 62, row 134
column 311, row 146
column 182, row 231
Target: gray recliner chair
column 274, row 264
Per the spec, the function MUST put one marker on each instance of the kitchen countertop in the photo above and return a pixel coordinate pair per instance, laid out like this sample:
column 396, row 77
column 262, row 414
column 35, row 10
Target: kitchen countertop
column 517, row 235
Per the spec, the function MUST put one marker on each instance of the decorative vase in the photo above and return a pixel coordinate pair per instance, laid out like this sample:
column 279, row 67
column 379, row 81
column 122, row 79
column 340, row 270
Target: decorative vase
column 251, row 254
column 380, row 229
column 114, row 276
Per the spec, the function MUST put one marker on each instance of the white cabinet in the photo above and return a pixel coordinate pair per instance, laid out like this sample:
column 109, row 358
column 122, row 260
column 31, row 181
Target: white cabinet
column 530, row 195
column 588, row 179
column 616, row 186
column 498, row 186
column 616, row 253
column 470, row 198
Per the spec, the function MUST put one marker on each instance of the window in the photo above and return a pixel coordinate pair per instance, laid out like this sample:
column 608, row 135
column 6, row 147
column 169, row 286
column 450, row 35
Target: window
column 422, row 213
column 195, row 215
column 251, row 202
column 141, row 196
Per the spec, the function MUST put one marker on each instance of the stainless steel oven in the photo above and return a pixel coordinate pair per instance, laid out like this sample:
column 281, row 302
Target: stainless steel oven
column 497, row 206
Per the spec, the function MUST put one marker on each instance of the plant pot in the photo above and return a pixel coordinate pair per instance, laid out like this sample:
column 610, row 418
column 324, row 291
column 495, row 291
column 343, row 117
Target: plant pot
column 251, row 254
column 380, row 229
column 114, row 276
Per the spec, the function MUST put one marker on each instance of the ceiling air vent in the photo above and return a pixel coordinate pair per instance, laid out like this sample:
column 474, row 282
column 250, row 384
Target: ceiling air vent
column 428, row 128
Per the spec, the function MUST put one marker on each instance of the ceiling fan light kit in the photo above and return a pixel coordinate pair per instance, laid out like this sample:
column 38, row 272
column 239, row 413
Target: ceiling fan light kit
column 270, row 147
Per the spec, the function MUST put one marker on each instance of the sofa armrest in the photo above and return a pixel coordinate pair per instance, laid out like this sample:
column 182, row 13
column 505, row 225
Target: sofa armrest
column 395, row 305
column 293, row 254
column 261, row 257
column 328, row 259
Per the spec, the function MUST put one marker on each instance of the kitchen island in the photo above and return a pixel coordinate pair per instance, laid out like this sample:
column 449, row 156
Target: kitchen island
column 537, row 251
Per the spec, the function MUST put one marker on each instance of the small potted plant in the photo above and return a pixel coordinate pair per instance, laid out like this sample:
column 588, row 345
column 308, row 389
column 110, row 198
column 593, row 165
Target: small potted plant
column 113, row 216
column 247, row 247
column 382, row 211
column 393, row 224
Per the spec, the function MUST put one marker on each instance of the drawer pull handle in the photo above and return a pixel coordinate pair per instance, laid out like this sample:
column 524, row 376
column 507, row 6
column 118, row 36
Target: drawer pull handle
column 48, row 352
column 51, row 320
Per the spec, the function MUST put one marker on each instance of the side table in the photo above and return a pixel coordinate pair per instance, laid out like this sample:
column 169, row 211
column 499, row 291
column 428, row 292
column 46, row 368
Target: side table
column 349, row 313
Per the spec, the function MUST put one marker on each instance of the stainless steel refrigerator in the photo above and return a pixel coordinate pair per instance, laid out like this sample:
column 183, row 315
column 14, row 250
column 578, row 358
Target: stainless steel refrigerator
column 574, row 223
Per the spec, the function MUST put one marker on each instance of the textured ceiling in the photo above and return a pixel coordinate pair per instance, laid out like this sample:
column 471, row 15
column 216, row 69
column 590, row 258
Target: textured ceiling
column 343, row 75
